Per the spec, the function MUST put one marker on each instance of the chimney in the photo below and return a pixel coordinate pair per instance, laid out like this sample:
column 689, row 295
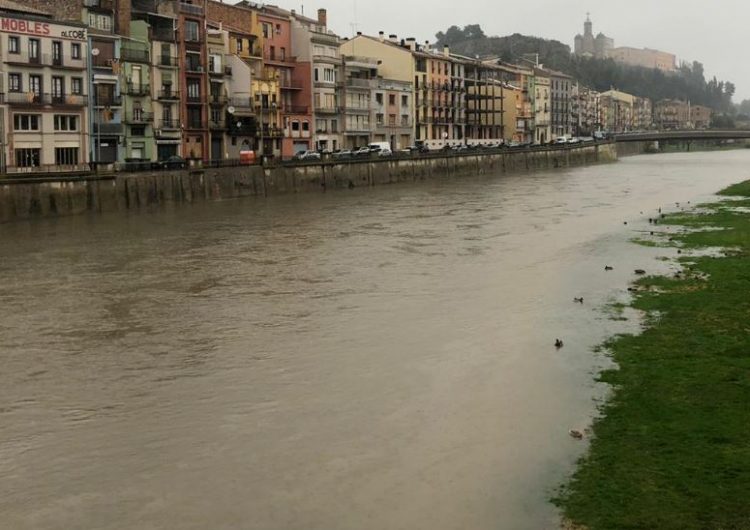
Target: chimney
column 359, row 34
column 382, row 36
column 322, row 17
column 393, row 38
column 411, row 42
column 446, row 50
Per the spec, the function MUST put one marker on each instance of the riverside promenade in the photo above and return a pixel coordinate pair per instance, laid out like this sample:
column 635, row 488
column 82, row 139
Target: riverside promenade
column 53, row 196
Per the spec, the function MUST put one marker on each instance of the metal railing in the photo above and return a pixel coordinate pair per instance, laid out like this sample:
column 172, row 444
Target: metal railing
column 139, row 117
column 135, row 55
column 137, row 90
column 108, row 128
column 171, row 95
column 169, row 125
column 33, row 99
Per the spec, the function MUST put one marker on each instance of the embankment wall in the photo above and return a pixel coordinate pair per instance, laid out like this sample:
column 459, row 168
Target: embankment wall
column 51, row 197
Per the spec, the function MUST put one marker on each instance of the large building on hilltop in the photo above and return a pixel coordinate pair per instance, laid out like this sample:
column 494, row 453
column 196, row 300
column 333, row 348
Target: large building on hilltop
column 587, row 45
column 646, row 57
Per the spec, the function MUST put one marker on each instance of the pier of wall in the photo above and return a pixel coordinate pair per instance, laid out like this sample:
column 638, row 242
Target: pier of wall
column 44, row 197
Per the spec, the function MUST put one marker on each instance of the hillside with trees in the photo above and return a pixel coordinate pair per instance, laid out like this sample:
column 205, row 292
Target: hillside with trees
column 688, row 83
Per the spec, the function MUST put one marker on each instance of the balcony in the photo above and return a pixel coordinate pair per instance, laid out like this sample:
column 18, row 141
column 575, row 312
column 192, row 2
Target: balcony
column 271, row 132
column 217, row 100
column 165, row 61
column 190, row 9
column 168, row 95
column 169, row 125
column 326, row 110
column 241, row 102
column 220, row 125
column 135, row 56
column 102, row 5
column 57, row 61
column 107, row 101
column 359, row 83
column 138, row 117
column 194, row 98
column 196, row 125
column 108, row 129
column 296, row 109
column 145, row 6
column 164, row 35
column 137, row 90
column 100, row 61
column 31, row 99
column 193, row 67
column 290, row 85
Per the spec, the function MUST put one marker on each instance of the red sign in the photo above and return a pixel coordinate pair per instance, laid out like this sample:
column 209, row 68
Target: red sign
column 24, row 26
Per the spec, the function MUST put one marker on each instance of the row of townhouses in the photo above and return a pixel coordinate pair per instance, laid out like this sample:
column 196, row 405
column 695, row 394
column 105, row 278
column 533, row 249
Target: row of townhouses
column 119, row 81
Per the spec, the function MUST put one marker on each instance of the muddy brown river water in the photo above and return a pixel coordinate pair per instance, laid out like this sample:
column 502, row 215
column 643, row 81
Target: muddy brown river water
column 373, row 359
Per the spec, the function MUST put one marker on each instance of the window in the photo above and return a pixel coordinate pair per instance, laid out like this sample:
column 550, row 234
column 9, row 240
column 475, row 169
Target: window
column 14, row 45
column 306, row 126
column 64, row 122
column 278, row 29
column 329, row 75
column 57, row 52
column 379, row 98
column 100, row 21
column 66, row 156
column 194, row 89
column 239, row 45
column 35, row 84
column 28, row 157
column 379, row 119
column 14, row 83
column 404, row 101
column 76, row 86
column 26, row 122
column 75, row 50
column 317, row 77
column 34, row 50
column 266, row 30
column 137, row 150
column 295, row 126
column 273, row 53
column 57, row 87
column 139, row 130
column 283, row 54
column 191, row 31
column 391, row 99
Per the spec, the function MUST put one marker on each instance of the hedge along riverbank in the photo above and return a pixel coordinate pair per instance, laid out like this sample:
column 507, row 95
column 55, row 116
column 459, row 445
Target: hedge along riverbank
column 672, row 446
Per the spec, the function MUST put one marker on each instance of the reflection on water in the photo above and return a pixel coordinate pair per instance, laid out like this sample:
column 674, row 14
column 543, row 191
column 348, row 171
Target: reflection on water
column 369, row 359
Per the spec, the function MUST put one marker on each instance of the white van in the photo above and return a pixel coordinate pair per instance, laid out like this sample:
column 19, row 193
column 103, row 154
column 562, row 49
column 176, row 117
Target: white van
column 376, row 147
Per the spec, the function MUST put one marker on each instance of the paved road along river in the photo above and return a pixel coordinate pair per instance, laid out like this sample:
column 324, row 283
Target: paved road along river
column 373, row 359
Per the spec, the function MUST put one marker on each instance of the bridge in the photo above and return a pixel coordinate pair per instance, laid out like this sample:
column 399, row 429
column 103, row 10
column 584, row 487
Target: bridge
column 684, row 136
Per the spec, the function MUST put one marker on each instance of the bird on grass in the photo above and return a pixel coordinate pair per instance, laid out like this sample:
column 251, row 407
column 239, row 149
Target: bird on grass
column 640, row 272
column 608, row 268
column 559, row 344
column 578, row 300
column 578, row 435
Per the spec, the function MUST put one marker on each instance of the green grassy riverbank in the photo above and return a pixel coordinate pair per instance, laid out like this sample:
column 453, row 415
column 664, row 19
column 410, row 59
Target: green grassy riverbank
column 672, row 447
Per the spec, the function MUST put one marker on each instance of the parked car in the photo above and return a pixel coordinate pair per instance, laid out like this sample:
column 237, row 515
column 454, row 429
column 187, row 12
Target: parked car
column 574, row 140
column 307, row 156
column 421, row 148
column 561, row 140
column 362, row 151
column 344, row 153
column 385, row 152
column 173, row 162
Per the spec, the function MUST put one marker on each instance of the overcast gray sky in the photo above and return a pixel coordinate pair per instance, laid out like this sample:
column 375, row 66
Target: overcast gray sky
column 714, row 33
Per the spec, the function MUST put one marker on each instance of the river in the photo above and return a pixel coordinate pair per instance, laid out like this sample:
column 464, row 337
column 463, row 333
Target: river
column 364, row 359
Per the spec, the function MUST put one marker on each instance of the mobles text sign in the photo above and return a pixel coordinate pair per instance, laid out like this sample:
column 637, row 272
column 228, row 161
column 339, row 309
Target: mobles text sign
column 42, row 29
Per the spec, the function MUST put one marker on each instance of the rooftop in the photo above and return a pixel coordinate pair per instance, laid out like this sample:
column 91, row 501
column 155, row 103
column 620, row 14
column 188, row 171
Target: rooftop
column 15, row 7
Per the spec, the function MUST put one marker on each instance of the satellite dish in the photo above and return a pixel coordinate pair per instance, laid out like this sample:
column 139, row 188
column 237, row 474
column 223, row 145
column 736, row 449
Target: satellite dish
column 230, row 110
column 94, row 51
